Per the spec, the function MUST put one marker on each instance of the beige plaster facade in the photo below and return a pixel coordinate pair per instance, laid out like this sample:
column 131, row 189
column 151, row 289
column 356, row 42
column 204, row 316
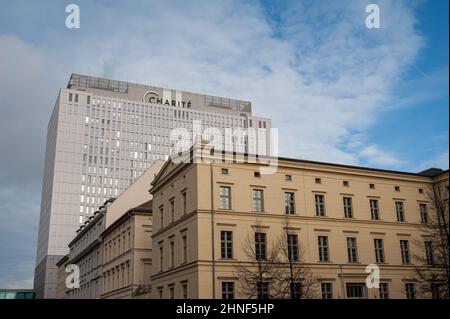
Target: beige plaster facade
column 195, row 203
column 127, row 255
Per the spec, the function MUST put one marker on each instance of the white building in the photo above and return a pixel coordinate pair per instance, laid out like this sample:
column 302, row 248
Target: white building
column 101, row 136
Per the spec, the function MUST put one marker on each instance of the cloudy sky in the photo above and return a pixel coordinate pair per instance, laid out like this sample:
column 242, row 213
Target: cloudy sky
column 336, row 90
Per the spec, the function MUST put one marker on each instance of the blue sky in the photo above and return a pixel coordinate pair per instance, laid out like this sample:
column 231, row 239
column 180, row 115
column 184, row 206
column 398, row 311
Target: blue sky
column 337, row 91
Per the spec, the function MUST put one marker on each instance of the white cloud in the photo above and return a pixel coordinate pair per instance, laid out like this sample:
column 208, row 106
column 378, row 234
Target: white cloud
column 377, row 157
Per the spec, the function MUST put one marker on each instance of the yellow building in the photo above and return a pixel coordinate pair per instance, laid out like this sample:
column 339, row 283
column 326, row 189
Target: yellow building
column 338, row 219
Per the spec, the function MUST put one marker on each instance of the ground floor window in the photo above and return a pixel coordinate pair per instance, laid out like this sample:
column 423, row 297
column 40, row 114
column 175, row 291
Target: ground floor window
column 227, row 290
column 356, row 291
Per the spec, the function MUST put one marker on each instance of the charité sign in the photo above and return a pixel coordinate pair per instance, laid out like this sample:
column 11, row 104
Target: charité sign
column 155, row 98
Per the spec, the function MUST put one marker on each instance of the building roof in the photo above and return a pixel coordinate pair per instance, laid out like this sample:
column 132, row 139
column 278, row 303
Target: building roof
column 433, row 172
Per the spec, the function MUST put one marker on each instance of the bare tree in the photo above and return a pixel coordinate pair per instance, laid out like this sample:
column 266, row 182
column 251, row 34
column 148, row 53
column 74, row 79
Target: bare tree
column 257, row 275
column 295, row 280
column 432, row 270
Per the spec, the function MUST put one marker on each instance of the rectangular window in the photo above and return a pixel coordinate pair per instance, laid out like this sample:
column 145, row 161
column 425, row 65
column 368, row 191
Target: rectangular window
column 292, row 241
column 400, row 211
column 172, row 211
column 172, row 292
column 374, row 210
column 184, row 202
column 383, row 290
column 372, row 186
column 320, row 205
column 318, row 180
column 429, row 252
column 397, row 188
column 288, row 178
column 226, row 244
column 289, row 203
column 423, row 213
column 70, row 97
column 172, row 254
column 296, row 290
column 352, row 250
column 227, row 290
column 348, row 209
column 161, row 258
column 379, row 250
column 76, row 98
column 435, row 291
column 257, row 174
column 258, row 200
column 410, row 291
column 404, row 246
column 356, row 291
column 225, row 197
column 161, row 216
column 323, row 248
column 88, row 100
column 224, row 171
column 185, row 291
column 263, row 290
column 260, row 246
column 184, row 239
column 345, row 183
column 327, row 290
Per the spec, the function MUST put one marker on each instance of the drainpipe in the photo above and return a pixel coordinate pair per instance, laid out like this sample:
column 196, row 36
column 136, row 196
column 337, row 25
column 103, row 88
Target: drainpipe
column 212, row 234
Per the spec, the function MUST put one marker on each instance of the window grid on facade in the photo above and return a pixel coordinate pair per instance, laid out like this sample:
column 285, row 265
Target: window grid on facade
column 184, row 202
column 320, row 205
column 262, row 290
column 258, row 200
column 161, row 258
column 227, row 290
column 184, row 255
column 348, row 209
column 383, row 290
column 296, row 290
column 399, row 208
column 352, row 250
column 410, row 290
column 289, row 203
column 379, row 250
column 260, row 246
column 226, row 244
column 423, row 213
column 429, row 252
column 356, row 291
column 374, row 209
column 292, row 240
column 323, row 248
column 172, row 211
column 327, row 290
column 404, row 246
column 172, row 254
column 435, row 291
column 185, row 291
column 225, row 197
